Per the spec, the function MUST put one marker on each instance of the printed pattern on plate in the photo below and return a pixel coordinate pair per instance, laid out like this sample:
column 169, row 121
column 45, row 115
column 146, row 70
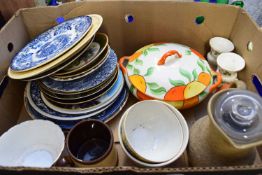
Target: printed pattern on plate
column 85, row 83
column 89, row 94
column 93, row 105
column 85, row 58
column 109, row 97
column 51, row 43
column 104, row 116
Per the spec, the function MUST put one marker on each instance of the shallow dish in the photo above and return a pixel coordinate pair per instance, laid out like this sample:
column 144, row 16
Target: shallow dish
column 104, row 116
column 51, row 44
column 89, row 56
column 185, row 133
column 77, row 75
column 80, row 98
column 60, row 65
column 35, row 100
column 94, row 105
column 152, row 131
column 96, row 23
column 86, row 83
column 34, row 143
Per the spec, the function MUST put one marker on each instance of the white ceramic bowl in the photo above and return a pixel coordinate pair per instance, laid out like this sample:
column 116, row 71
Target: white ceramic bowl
column 230, row 62
column 34, row 143
column 155, row 137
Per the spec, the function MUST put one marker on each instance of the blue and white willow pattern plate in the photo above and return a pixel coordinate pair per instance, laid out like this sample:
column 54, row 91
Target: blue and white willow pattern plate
column 104, row 116
column 51, row 44
column 88, row 82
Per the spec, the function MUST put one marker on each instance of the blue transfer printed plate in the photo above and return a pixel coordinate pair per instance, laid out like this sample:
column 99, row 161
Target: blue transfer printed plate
column 33, row 94
column 104, row 116
column 86, row 83
column 71, row 98
column 51, row 44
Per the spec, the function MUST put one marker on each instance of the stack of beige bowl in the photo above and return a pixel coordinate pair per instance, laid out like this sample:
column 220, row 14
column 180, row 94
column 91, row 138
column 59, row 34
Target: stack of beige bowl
column 153, row 133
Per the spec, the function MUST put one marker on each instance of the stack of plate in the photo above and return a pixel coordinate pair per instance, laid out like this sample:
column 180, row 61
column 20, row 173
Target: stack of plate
column 76, row 73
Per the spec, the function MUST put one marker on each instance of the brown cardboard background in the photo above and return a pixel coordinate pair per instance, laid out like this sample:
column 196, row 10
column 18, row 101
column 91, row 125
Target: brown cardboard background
column 173, row 24
column 15, row 34
column 9, row 7
column 154, row 22
column 246, row 30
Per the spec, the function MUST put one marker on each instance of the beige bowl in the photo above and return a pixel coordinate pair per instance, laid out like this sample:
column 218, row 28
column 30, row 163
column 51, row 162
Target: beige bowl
column 148, row 139
column 33, row 143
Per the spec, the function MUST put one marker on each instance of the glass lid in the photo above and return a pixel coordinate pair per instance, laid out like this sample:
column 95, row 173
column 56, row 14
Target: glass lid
column 169, row 71
column 239, row 114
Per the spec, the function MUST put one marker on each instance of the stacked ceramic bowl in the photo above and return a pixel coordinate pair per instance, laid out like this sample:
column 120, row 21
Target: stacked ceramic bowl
column 153, row 133
column 74, row 71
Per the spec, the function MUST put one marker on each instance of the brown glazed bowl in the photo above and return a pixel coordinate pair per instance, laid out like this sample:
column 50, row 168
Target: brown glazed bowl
column 90, row 143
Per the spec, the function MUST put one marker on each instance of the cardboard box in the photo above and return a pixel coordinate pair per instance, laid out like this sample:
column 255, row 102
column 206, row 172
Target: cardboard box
column 154, row 21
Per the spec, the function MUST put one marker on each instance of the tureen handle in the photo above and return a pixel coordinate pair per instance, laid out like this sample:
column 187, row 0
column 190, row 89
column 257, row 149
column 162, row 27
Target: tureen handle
column 218, row 82
column 122, row 64
column 167, row 54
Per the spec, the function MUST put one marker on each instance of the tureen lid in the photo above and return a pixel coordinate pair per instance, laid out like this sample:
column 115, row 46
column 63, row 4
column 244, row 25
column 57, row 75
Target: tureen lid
column 169, row 71
column 239, row 114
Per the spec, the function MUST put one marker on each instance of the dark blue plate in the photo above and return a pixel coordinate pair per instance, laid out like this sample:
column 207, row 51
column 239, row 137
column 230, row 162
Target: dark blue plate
column 104, row 116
